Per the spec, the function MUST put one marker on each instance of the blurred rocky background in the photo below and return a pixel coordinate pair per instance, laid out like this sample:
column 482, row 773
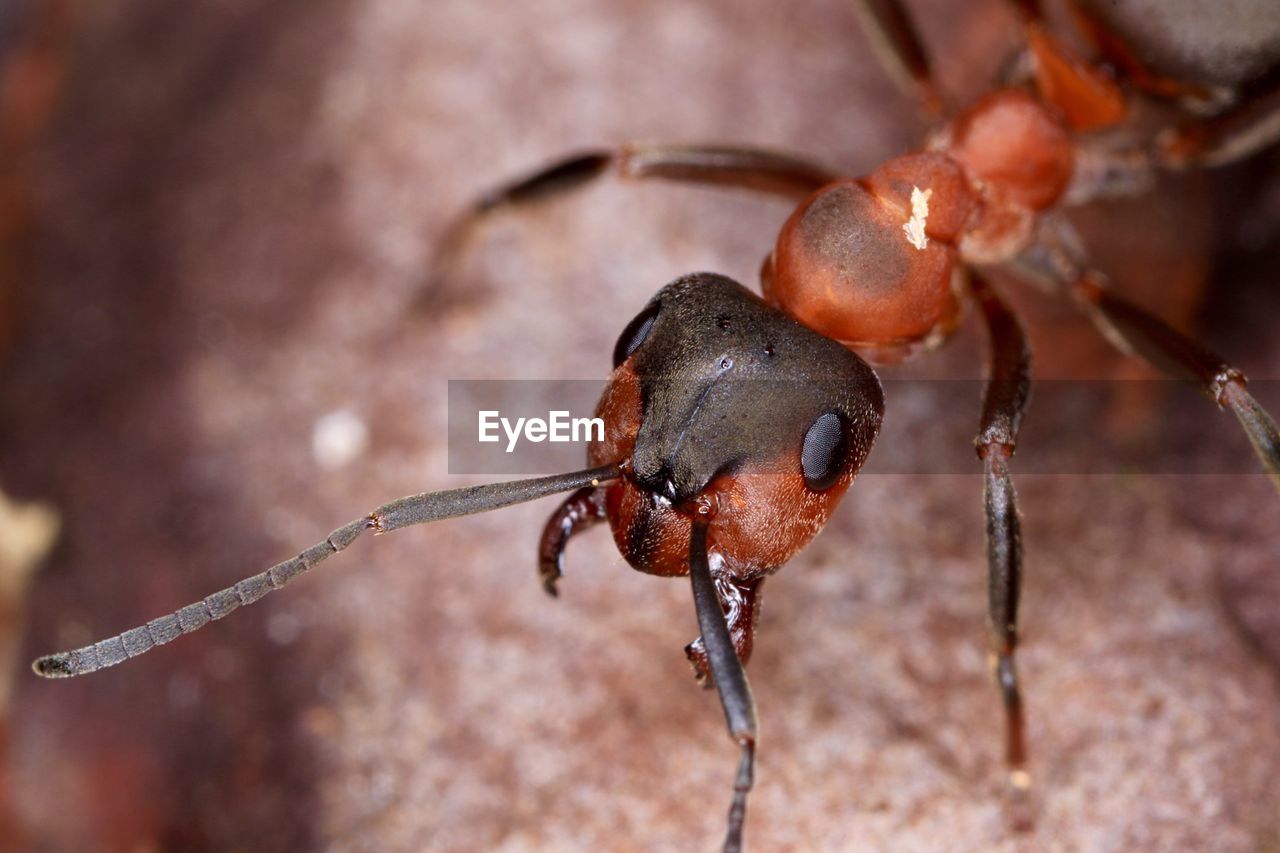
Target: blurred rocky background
column 215, row 220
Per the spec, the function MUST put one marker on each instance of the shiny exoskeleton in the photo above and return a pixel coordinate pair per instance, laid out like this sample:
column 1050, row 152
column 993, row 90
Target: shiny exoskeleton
column 684, row 421
column 735, row 423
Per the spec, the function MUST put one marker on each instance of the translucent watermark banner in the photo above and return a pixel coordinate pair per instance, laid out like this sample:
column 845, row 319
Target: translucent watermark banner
column 527, row 427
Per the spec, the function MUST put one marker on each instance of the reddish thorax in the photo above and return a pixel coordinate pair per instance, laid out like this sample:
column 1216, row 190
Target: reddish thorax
column 846, row 264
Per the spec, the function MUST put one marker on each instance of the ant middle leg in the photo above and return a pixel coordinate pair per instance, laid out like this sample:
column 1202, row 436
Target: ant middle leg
column 1143, row 335
column 1104, row 170
column 1003, row 405
column 1221, row 140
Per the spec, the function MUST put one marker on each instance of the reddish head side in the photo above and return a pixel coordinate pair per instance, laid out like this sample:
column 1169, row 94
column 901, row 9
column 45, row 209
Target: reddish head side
column 723, row 407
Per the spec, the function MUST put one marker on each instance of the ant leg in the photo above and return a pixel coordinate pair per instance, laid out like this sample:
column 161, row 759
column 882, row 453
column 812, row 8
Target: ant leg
column 740, row 602
column 730, row 679
column 754, row 169
column 1125, row 59
column 897, row 45
column 1138, row 333
column 1003, row 405
column 761, row 171
column 1218, row 141
column 405, row 512
column 582, row 509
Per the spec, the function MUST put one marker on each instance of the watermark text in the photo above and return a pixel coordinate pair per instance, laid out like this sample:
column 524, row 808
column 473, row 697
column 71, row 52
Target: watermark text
column 558, row 427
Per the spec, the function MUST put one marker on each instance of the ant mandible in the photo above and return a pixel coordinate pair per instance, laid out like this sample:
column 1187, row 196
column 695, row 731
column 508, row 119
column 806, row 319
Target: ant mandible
column 883, row 266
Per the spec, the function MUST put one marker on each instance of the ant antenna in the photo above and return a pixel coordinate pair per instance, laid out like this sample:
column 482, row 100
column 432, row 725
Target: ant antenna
column 405, row 512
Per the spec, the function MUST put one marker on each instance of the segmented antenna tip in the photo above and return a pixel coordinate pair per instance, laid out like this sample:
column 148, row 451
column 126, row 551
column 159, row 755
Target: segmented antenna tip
column 53, row 666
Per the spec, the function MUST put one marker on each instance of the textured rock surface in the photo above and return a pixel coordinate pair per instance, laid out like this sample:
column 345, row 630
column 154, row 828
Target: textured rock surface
column 236, row 207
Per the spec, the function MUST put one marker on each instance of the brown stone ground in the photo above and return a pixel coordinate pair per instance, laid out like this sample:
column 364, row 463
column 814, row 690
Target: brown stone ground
column 235, row 205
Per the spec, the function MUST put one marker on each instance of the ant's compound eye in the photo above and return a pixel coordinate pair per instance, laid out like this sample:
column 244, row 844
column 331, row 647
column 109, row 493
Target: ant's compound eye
column 634, row 334
column 826, row 449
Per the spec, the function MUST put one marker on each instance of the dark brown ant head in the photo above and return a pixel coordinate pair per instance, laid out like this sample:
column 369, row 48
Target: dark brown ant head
column 722, row 402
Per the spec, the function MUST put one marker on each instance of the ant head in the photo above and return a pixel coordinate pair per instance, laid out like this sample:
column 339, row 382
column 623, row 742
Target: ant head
column 719, row 399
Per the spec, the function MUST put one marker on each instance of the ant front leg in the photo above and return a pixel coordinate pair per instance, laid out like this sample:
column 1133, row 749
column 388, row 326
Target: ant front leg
column 730, row 679
column 1138, row 333
column 740, row 601
column 582, row 509
column 784, row 175
column 1003, row 405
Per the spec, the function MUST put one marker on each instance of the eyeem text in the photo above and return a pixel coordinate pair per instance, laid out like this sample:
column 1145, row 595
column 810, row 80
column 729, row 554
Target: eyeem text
column 558, row 427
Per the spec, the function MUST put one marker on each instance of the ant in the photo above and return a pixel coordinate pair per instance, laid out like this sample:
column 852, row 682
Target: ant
column 874, row 269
